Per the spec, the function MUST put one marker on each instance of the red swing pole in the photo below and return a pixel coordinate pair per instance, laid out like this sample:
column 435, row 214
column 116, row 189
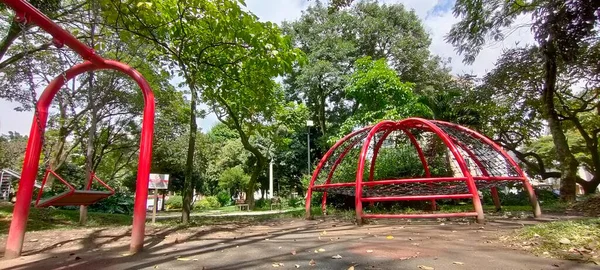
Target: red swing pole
column 26, row 13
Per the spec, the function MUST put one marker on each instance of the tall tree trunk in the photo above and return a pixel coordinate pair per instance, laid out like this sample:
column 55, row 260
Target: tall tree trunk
column 251, row 187
column 568, row 163
column 590, row 187
column 188, row 185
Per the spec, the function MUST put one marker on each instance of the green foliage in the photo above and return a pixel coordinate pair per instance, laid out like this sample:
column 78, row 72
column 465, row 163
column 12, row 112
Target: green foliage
column 174, row 202
column 295, row 202
column 399, row 162
column 379, row 94
column 119, row 203
column 334, row 41
column 262, row 204
column 12, row 150
column 207, row 203
column 224, row 198
column 233, row 178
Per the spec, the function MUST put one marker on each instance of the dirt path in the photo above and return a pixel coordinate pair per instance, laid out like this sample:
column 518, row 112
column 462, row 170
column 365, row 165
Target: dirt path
column 287, row 243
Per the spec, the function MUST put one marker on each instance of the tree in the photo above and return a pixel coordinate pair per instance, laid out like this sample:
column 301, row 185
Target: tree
column 559, row 27
column 378, row 94
column 517, row 119
column 333, row 41
column 12, row 150
column 234, row 180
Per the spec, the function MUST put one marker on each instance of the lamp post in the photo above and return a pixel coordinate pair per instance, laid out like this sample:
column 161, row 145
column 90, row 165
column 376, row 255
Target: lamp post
column 309, row 123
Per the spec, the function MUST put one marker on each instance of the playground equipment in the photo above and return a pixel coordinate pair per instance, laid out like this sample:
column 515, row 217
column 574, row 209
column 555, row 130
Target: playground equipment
column 456, row 163
column 73, row 196
column 26, row 14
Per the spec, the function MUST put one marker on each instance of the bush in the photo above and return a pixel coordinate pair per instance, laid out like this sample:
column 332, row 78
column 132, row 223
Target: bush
column 261, row 204
column 224, row 198
column 210, row 202
column 174, row 202
column 119, row 203
column 294, row 202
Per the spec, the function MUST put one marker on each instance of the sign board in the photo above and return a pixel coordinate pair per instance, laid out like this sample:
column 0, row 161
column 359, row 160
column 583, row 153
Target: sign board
column 158, row 181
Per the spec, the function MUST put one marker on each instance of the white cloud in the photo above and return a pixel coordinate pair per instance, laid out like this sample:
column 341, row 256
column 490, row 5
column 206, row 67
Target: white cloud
column 437, row 19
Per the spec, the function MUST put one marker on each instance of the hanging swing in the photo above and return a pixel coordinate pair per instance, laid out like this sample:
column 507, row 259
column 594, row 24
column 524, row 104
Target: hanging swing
column 73, row 196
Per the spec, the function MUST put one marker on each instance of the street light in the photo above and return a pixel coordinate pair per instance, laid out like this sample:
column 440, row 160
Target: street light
column 309, row 123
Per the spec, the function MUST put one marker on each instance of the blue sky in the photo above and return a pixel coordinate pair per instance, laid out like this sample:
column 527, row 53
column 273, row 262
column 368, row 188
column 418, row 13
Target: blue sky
column 436, row 16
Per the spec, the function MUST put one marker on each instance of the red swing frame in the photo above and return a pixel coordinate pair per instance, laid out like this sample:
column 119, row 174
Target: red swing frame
column 26, row 13
column 73, row 196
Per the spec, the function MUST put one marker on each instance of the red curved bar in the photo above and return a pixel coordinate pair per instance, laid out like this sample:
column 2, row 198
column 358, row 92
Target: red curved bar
column 537, row 212
column 361, row 167
column 368, row 150
column 16, row 233
column 332, row 170
column 322, row 163
column 28, row 12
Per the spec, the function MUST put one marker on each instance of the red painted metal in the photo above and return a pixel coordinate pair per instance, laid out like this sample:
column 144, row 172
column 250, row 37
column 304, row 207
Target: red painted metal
column 50, row 202
column 361, row 167
column 537, row 212
column 369, row 150
column 332, row 171
column 31, row 15
column 417, row 198
column 27, row 13
column 414, row 142
column 435, row 215
column 322, row 163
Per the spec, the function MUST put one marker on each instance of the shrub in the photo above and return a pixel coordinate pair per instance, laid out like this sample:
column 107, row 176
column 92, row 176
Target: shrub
column 224, row 198
column 174, row 202
column 261, row 204
column 119, row 203
column 294, row 202
column 210, row 202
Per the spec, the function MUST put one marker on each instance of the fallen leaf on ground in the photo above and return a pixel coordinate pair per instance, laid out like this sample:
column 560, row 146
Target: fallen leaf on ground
column 312, row 263
column 336, row 256
column 321, row 250
column 293, row 252
column 351, row 267
column 459, row 263
column 390, row 237
column 564, row 241
column 183, row 259
column 277, row 264
column 424, row 267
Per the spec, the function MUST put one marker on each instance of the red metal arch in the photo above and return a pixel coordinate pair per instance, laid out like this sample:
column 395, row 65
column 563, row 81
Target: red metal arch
column 453, row 145
column 26, row 13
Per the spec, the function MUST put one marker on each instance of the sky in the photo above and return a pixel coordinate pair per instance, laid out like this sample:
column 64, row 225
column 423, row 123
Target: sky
column 436, row 16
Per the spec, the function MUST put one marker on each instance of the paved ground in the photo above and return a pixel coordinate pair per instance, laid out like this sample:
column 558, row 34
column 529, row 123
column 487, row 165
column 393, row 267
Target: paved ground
column 219, row 214
column 288, row 244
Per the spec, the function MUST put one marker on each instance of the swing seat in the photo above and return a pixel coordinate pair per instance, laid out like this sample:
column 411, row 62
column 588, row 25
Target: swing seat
column 73, row 196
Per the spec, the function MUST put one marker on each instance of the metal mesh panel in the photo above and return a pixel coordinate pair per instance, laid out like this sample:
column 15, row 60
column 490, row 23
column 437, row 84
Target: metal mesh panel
column 345, row 171
column 398, row 151
column 491, row 159
column 418, row 189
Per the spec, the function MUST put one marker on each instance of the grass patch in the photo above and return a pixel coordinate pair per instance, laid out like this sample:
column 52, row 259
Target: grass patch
column 572, row 239
column 48, row 218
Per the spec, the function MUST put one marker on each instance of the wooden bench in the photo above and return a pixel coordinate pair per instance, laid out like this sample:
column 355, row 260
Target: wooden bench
column 276, row 201
column 240, row 204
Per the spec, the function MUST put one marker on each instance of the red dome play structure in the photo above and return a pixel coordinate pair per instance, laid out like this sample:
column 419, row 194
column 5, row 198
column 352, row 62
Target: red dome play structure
column 457, row 162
